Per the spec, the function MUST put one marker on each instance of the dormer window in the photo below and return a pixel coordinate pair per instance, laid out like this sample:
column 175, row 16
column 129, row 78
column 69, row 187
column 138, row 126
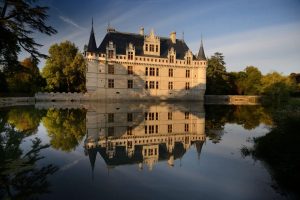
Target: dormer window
column 188, row 60
column 110, row 53
column 130, row 55
column 171, row 59
column 146, row 47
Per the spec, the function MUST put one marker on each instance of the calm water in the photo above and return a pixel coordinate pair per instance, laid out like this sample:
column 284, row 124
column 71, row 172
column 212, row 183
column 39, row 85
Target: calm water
column 134, row 151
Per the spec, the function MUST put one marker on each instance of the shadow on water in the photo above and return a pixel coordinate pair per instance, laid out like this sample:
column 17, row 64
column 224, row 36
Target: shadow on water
column 21, row 177
column 279, row 150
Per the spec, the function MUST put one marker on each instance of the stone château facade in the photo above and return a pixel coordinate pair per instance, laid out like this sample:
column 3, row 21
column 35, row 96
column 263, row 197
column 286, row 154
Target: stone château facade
column 133, row 66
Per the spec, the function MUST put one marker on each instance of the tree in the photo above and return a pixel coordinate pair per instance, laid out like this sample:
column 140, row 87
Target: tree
column 25, row 78
column 19, row 19
column 217, row 77
column 277, row 87
column 248, row 82
column 65, row 68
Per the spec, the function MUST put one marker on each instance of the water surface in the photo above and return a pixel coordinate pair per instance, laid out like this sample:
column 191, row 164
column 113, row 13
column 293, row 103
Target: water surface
column 134, row 151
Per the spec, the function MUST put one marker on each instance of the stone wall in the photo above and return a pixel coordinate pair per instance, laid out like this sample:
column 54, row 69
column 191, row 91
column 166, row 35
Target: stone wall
column 59, row 96
column 232, row 99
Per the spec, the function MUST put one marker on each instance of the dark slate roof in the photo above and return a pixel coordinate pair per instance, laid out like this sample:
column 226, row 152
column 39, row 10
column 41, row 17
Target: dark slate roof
column 121, row 40
column 201, row 54
column 92, row 47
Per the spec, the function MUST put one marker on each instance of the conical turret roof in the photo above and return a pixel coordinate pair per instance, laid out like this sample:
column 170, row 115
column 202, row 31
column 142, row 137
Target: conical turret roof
column 92, row 47
column 201, row 54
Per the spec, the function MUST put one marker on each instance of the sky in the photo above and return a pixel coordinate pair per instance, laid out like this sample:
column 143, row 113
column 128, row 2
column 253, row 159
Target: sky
column 261, row 33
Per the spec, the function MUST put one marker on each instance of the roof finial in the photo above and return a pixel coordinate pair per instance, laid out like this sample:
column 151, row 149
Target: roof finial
column 92, row 21
column 182, row 35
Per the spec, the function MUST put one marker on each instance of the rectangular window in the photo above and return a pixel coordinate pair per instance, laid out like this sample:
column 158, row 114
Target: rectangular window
column 111, row 69
column 130, row 70
column 152, row 71
column 156, row 48
column 111, row 83
column 130, row 83
column 129, row 130
column 110, row 53
column 170, row 85
column 146, row 129
column 170, row 116
column 156, row 129
column 130, row 55
column 110, row 117
column 156, row 84
column 170, row 72
column 146, row 47
column 188, row 60
column 152, row 47
column 186, row 115
column 172, row 59
column 146, row 116
column 157, row 72
column 146, row 72
column 187, row 85
column 187, row 73
column 151, row 86
column 170, row 128
column 151, row 129
column 129, row 117
column 186, row 127
column 156, row 116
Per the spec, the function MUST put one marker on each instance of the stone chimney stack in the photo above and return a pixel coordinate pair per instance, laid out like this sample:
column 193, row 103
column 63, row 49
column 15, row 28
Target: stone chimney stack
column 173, row 37
column 142, row 31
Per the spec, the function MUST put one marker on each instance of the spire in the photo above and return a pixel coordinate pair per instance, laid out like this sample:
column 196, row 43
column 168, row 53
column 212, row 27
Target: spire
column 201, row 54
column 199, row 145
column 92, row 157
column 92, row 47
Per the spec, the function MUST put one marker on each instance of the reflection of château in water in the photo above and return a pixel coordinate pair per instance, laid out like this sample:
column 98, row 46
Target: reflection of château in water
column 143, row 134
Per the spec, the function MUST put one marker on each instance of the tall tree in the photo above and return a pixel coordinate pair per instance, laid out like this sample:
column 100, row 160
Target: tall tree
column 65, row 68
column 19, row 19
column 217, row 77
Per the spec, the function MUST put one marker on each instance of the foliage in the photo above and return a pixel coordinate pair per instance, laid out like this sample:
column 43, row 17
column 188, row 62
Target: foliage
column 276, row 87
column 25, row 78
column 248, row 82
column 217, row 78
column 65, row 128
column 20, row 175
column 65, row 68
column 19, row 19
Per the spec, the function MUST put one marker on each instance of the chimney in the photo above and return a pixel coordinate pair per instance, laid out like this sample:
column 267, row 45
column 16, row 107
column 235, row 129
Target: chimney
column 142, row 31
column 173, row 37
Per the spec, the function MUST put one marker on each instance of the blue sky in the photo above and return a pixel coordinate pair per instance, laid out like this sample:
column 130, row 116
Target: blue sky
column 263, row 33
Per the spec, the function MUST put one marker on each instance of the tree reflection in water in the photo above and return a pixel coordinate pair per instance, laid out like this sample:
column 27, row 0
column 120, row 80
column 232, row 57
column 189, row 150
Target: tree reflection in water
column 248, row 116
column 66, row 128
column 21, row 177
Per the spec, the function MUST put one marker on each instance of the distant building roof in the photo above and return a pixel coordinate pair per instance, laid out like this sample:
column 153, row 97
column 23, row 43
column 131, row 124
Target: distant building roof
column 121, row 40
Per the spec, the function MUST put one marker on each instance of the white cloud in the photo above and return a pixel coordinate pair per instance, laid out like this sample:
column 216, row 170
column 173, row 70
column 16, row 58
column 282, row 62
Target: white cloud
column 271, row 48
column 69, row 21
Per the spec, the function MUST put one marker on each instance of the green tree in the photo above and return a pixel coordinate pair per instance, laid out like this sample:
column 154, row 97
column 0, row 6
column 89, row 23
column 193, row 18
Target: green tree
column 277, row 87
column 248, row 82
column 19, row 19
column 66, row 128
column 217, row 77
column 25, row 78
column 65, row 68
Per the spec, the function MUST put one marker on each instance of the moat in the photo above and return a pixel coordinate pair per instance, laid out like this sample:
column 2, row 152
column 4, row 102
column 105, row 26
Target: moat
column 134, row 151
